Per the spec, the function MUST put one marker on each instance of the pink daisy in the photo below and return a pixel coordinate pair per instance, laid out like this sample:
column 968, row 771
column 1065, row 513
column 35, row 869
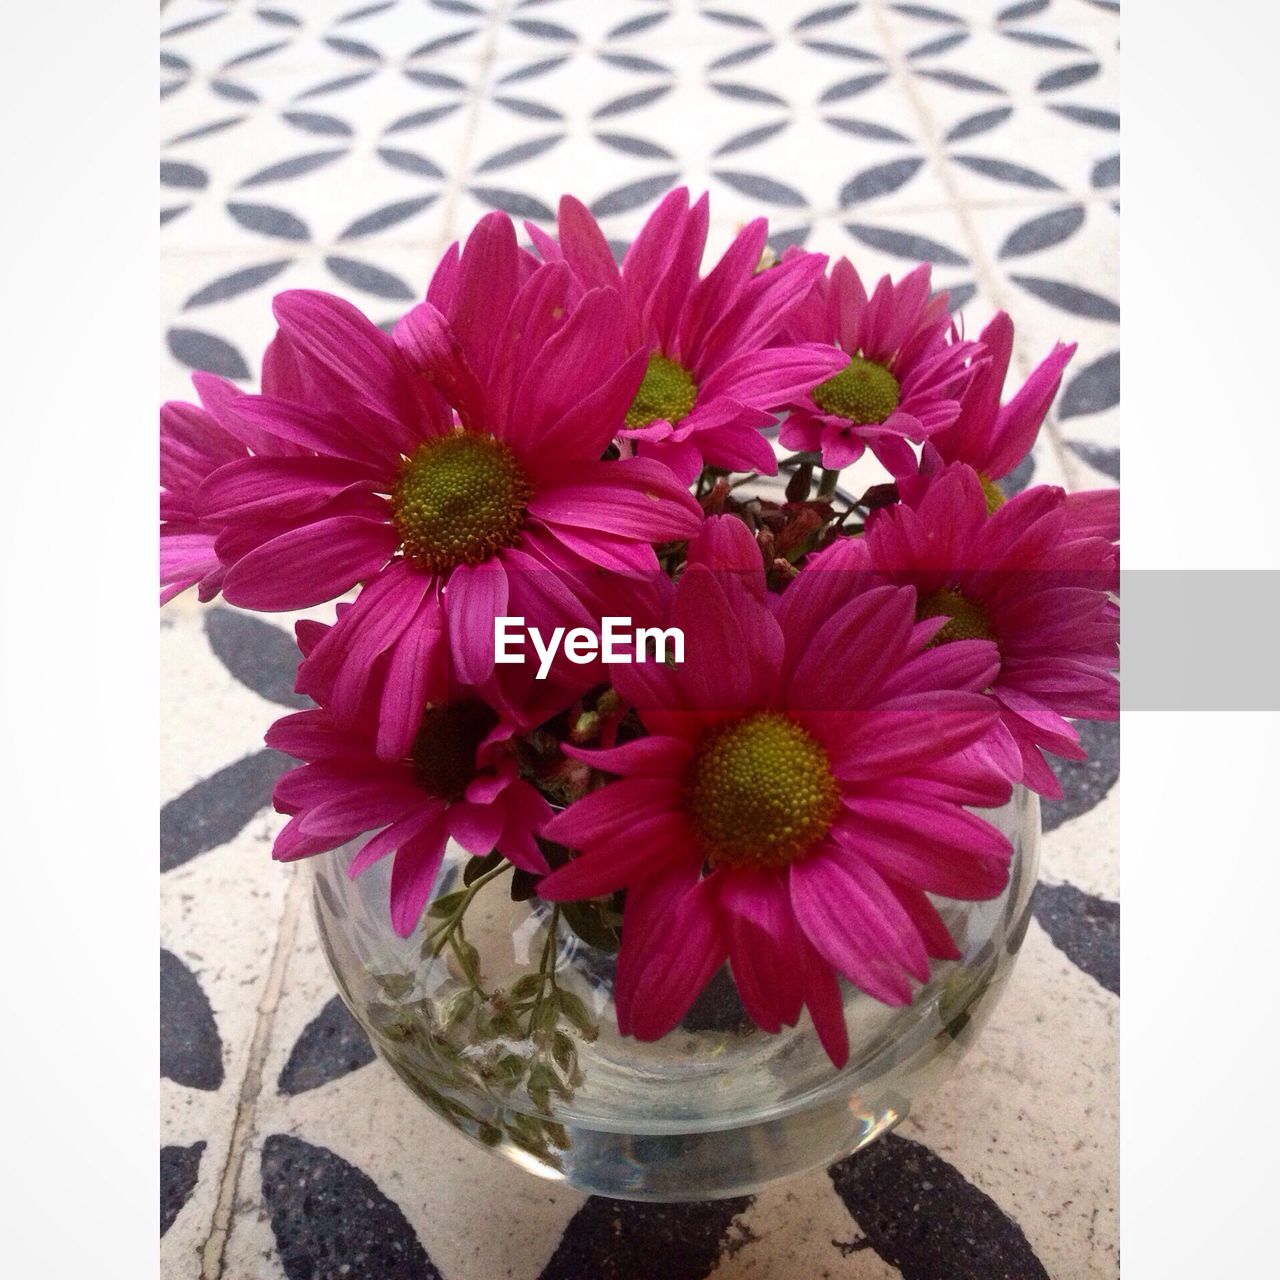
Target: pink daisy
column 458, row 779
column 712, row 378
column 447, row 521
column 990, row 437
column 193, row 443
column 901, row 378
column 195, row 440
column 1095, row 513
column 1035, row 577
column 800, row 792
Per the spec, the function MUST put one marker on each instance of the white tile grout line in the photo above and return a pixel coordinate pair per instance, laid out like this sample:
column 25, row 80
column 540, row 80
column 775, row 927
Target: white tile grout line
column 214, row 1247
column 477, row 98
column 986, row 269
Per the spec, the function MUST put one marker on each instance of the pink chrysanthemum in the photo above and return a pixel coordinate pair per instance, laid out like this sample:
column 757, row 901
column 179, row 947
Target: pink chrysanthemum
column 195, row 440
column 1035, row 577
column 193, row 443
column 993, row 438
column 448, row 522
column 801, row 791
column 990, row 437
column 1095, row 513
column 712, row 378
column 904, row 371
column 457, row 779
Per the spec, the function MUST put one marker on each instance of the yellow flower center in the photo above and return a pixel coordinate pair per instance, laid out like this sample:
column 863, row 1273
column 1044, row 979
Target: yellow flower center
column 993, row 494
column 444, row 752
column 759, row 792
column 459, row 498
column 667, row 392
column 968, row 619
column 863, row 392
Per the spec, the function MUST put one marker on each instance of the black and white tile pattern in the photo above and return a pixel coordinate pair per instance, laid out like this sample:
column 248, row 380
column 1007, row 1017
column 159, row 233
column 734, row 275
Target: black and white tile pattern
column 341, row 145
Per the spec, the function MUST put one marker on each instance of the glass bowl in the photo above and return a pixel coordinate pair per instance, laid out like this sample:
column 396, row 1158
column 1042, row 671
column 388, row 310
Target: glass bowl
column 509, row 1033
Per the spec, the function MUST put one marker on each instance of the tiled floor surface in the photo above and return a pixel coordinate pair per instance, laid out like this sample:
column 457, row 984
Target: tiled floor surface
column 339, row 145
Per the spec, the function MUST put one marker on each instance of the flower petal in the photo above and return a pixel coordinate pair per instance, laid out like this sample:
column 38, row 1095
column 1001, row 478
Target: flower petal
column 413, row 873
column 475, row 595
column 310, row 565
column 636, row 498
column 433, row 347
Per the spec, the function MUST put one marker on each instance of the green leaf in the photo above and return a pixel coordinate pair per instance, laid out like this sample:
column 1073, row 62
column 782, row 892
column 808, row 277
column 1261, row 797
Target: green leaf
column 542, row 1083
column 476, row 867
column 468, row 959
column 507, row 1026
column 395, row 985
column 564, row 1052
column 526, row 985
column 524, row 885
column 392, row 1022
column 576, row 1011
column 458, row 1008
column 511, row 1067
column 590, row 922
column 445, row 907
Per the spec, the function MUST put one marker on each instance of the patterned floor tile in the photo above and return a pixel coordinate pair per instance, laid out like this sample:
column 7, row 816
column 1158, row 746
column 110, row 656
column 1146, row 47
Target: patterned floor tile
column 325, row 169
column 1067, row 1206
column 1047, row 17
column 1045, row 126
column 216, row 834
column 436, row 1182
column 800, row 1213
column 217, row 307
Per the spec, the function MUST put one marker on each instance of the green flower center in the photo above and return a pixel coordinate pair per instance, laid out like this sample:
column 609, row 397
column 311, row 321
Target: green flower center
column 459, row 498
column 993, row 494
column 444, row 752
column 759, row 792
column 968, row 619
column 862, row 392
column 667, row 393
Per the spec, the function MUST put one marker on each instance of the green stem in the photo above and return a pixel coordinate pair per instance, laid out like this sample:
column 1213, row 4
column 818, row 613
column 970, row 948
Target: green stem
column 827, row 485
column 550, row 947
column 456, row 940
column 442, row 934
column 546, row 966
column 793, row 460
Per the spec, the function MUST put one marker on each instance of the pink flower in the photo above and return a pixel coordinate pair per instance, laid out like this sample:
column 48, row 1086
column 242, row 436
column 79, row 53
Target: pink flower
column 1095, row 513
column 901, row 380
column 457, row 779
column 195, row 440
column 448, row 522
column 1034, row 577
column 800, row 791
column 990, row 437
column 712, row 377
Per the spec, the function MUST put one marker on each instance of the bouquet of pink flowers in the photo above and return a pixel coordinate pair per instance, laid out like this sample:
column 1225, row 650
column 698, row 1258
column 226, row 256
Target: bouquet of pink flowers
column 579, row 631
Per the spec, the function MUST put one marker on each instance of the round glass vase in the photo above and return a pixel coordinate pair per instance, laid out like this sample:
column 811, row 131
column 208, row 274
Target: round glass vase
column 507, row 1030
